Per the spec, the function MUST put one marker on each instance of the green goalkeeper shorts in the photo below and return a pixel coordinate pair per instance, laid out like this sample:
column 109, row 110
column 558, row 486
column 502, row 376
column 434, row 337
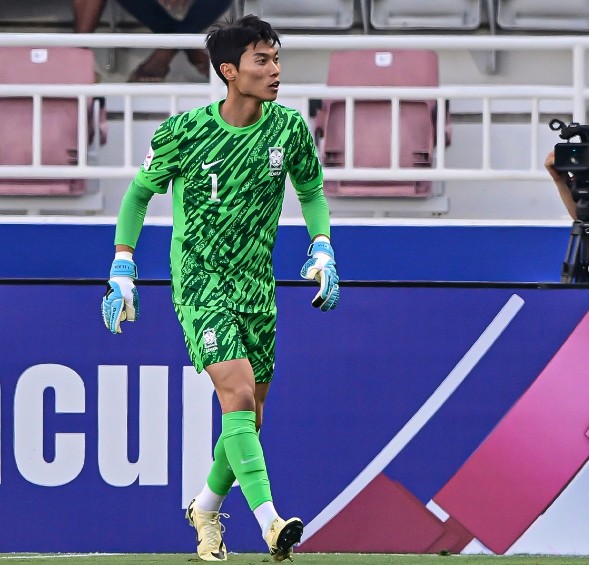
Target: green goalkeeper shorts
column 214, row 335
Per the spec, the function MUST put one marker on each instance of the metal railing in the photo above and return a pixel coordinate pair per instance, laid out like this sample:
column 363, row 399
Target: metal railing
column 574, row 96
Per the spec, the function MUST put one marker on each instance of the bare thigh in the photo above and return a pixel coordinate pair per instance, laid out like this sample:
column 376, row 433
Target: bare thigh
column 234, row 384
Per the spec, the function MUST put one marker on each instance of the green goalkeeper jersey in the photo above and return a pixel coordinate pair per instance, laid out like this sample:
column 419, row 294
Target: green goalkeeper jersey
column 227, row 188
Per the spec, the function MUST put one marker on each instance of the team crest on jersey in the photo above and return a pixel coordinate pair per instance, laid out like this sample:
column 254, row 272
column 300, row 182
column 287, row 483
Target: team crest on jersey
column 210, row 339
column 275, row 155
column 148, row 159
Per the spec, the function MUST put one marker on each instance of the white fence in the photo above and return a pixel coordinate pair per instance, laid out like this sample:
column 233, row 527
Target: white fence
column 569, row 98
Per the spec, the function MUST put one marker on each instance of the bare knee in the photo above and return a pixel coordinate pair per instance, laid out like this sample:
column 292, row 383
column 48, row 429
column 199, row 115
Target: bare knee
column 240, row 397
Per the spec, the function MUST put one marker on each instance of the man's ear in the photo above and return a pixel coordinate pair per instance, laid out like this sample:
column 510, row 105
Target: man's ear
column 228, row 70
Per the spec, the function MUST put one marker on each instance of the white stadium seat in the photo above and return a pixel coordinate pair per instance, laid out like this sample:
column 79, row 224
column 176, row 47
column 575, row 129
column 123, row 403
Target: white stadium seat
column 548, row 15
column 304, row 14
column 438, row 14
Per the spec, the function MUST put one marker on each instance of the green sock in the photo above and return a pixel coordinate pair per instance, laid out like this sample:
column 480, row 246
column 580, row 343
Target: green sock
column 221, row 476
column 245, row 455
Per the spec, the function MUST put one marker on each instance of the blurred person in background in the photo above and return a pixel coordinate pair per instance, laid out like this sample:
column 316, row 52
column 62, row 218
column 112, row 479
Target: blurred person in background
column 160, row 16
column 560, row 180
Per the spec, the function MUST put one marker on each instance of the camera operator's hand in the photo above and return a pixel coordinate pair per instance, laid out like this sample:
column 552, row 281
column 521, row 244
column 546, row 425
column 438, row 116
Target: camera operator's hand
column 549, row 164
column 560, row 180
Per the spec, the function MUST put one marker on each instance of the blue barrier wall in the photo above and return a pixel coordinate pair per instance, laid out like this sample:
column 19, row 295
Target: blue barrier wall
column 66, row 383
column 456, row 253
column 107, row 437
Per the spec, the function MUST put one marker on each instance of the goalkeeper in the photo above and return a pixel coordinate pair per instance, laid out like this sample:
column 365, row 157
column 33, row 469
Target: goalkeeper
column 227, row 163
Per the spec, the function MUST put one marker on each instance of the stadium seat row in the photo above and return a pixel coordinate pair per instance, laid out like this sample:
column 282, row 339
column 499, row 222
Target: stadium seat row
column 565, row 15
column 372, row 15
column 372, row 136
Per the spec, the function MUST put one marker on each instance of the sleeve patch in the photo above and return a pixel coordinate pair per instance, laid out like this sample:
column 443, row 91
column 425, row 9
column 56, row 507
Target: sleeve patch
column 148, row 159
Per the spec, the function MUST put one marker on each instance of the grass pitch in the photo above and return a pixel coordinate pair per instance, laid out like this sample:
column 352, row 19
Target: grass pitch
column 299, row 559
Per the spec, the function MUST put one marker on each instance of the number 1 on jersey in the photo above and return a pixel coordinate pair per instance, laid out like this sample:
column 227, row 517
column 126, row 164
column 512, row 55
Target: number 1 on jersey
column 214, row 196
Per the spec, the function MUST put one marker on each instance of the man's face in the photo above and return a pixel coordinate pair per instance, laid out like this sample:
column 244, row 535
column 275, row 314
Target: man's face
column 259, row 72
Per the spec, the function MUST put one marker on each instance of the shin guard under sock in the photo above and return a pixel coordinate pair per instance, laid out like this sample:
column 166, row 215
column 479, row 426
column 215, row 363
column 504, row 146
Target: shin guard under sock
column 245, row 455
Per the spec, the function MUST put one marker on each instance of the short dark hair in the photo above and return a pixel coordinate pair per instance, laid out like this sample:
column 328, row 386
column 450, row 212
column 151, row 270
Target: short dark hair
column 227, row 41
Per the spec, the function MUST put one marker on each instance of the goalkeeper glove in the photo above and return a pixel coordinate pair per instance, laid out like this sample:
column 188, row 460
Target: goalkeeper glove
column 121, row 300
column 321, row 267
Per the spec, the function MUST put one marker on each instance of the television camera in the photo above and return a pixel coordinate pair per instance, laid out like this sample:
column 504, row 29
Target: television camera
column 571, row 159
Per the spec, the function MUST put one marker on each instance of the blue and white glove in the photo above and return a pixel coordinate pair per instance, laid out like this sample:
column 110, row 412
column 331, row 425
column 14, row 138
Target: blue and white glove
column 121, row 301
column 321, row 267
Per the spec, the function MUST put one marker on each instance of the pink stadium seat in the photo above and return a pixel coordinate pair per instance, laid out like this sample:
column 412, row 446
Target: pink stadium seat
column 59, row 123
column 373, row 119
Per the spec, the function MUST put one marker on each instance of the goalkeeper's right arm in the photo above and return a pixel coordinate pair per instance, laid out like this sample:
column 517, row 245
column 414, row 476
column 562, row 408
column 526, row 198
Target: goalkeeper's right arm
column 121, row 300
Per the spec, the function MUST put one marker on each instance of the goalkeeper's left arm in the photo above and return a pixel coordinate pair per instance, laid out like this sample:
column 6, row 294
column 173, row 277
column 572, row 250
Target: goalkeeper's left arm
column 321, row 266
column 121, row 300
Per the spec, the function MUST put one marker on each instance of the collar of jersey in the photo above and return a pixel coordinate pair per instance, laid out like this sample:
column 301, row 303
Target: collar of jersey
column 215, row 108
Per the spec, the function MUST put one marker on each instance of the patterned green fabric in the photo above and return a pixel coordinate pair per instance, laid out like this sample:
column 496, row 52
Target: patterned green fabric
column 213, row 335
column 227, row 189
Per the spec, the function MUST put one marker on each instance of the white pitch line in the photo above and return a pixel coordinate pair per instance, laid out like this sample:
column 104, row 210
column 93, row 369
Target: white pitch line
column 421, row 417
column 57, row 555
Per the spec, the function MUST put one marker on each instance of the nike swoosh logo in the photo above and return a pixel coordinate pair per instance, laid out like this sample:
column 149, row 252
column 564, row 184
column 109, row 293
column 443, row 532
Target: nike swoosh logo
column 244, row 461
column 220, row 555
column 209, row 165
